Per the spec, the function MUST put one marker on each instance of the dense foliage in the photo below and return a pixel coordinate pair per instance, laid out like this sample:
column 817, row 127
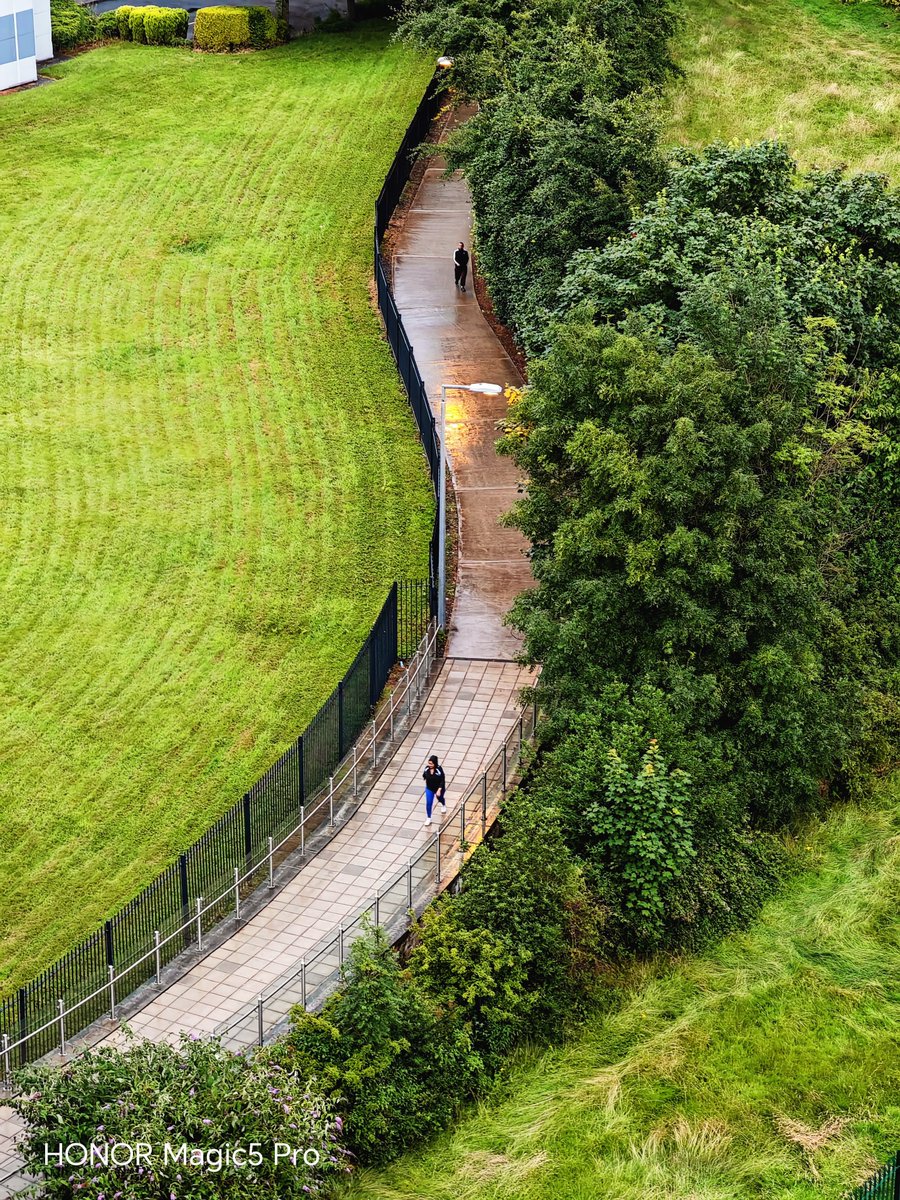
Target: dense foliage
column 71, row 25
column 196, row 1096
column 511, row 956
column 564, row 142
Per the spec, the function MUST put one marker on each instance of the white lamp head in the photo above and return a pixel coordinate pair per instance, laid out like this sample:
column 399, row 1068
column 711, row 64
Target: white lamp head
column 486, row 389
column 445, row 62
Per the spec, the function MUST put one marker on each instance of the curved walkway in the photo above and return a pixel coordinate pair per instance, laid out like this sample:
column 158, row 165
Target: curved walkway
column 472, row 706
column 453, row 343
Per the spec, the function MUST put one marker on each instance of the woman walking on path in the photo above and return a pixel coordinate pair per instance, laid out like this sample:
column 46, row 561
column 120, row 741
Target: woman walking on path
column 435, row 787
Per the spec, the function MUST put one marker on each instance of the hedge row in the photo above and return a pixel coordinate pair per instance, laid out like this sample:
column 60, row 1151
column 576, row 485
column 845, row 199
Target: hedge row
column 151, row 24
column 221, row 28
column 224, row 28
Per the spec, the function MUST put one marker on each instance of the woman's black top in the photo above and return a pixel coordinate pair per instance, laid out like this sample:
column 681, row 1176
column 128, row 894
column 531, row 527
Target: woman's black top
column 435, row 779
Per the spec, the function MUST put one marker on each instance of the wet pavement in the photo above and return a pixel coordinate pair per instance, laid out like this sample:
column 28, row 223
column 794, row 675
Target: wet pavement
column 453, row 343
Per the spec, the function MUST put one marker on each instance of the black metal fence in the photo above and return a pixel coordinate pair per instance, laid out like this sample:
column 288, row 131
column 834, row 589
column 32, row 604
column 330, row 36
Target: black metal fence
column 883, row 1186
column 236, row 840
column 388, row 199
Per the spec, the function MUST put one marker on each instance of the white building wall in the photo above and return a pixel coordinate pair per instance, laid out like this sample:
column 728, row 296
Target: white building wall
column 18, row 61
column 43, row 42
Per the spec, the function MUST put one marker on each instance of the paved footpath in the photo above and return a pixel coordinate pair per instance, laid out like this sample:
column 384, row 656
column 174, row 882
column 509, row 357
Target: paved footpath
column 453, row 343
column 472, row 705
column 470, row 710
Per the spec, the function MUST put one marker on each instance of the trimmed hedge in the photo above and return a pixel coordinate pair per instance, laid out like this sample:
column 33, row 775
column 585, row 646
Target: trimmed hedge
column 122, row 16
column 136, row 24
column 107, row 25
column 263, row 27
column 152, row 24
column 165, row 26
column 229, row 27
column 71, row 24
column 221, row 28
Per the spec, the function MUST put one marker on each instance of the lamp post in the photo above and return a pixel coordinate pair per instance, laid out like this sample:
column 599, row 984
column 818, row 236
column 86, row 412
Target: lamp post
column 481, row 389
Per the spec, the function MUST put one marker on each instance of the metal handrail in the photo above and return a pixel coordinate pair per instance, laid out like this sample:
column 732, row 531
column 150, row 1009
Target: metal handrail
column 465, row 827
column 415, row 678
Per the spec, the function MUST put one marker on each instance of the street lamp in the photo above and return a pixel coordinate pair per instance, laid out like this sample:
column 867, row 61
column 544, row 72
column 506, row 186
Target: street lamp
column 445, row 62
column 482, row 389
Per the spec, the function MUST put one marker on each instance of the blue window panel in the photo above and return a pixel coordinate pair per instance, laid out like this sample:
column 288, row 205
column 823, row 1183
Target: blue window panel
column 25, row 33
column 7, row 40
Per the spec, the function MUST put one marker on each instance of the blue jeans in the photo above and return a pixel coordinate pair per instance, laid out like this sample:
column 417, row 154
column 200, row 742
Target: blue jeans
column 429, row 801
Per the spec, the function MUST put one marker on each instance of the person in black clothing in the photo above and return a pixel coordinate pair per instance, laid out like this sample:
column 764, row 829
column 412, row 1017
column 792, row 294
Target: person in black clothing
column 435, row 787
column 460, row 265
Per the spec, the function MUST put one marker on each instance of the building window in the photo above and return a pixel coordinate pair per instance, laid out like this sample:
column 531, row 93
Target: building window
column 25, row 33
column 7, row 40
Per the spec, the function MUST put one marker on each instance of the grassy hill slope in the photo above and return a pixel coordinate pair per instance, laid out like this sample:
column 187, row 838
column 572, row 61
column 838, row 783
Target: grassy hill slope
column 209, row 475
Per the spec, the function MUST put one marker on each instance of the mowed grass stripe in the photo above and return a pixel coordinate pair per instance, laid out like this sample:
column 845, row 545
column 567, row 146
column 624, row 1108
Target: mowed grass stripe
column 209, row 473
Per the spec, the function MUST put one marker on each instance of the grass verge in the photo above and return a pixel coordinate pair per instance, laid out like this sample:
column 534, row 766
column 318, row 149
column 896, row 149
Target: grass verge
column 769, row 1067
column 818, row 74
column 208, row 473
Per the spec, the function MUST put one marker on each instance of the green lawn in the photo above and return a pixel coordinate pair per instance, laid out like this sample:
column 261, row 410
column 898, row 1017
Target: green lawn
column 819, row 74
column 767, row 1068
column 208, row 473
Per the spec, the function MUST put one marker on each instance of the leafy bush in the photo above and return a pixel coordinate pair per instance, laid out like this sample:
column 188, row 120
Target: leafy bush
column 398, row 1069
column 263, row 27
column 71, row 24
column 123, row 19
column 197, row 1094
column 222, row 28
column 107, row 25
column 136, row 24
column 165, row 26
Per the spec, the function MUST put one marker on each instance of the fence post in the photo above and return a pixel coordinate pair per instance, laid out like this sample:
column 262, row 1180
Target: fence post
column 331, row 802
column 110, row 949
column 185, row 898
column 484, row 804
column 61, row 1007
column 503, row 785
column 199, row 923
column 157, row 956
column 409, row 898
column 437, row 866
column 462, row 824
column 303, row 830
column 300, row 762
column 248, row 830
column 22, row 997
column 303, row 984
column 374, row 745
column 7, row 1072
column 237, row 895
column 112, row 992
column 271, row 863
column 377, row 911
column 341, row 945
column 355, row 788
column 897, row 1176
column 259, row 1019
column 341, row 720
